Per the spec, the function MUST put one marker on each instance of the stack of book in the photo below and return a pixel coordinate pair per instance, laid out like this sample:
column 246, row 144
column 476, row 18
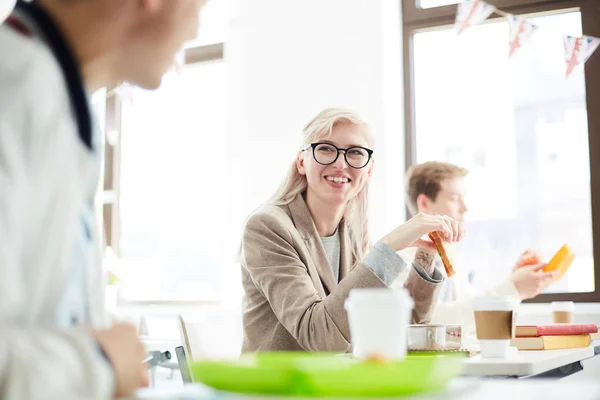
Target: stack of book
column 553, row 337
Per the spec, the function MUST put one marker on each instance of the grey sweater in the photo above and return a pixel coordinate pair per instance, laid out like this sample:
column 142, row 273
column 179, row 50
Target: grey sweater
column 382, row 260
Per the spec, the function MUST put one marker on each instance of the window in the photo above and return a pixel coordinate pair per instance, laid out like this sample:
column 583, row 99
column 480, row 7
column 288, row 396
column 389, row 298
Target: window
column 522, row 130
column 213, row 24
column 165, row 173
column 173, row 165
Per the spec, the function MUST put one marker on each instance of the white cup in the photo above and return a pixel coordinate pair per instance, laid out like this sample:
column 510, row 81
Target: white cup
column 497, row 348
column 379, row 321
column 563, row 311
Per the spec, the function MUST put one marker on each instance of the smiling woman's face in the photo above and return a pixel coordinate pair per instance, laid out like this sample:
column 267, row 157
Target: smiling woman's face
column 336, row 183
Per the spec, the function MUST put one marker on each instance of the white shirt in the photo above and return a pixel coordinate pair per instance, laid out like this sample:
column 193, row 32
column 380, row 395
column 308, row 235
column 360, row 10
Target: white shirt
column 51, row 276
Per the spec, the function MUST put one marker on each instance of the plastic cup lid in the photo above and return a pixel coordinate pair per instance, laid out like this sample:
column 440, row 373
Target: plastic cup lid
column 493, row 302
column 563, row 305
column 380, row 293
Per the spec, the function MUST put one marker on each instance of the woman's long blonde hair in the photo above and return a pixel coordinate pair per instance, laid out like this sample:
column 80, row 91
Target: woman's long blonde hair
column 294, row 183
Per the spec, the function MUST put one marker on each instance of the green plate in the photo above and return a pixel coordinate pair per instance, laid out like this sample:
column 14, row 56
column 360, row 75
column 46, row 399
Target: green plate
column 418, row 373
column 323, row 374
column 268, row 373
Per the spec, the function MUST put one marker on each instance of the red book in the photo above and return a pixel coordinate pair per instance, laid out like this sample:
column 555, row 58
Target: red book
column 555, row 330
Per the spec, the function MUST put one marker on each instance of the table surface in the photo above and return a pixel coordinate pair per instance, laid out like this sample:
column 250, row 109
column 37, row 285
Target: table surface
column 523, row 363
column 526, row 363
column 461, row 388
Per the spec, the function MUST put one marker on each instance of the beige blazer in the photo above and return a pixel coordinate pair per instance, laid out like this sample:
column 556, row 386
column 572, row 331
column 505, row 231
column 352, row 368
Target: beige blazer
column 292, row 301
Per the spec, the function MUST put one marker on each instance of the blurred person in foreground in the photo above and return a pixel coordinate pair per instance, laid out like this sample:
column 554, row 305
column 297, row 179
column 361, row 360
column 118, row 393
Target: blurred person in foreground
column 55, row 342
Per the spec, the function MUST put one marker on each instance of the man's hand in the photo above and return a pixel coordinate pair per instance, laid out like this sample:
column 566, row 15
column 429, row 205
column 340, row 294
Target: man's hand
column 531, row 281
column 529, row 257
column 126, row 354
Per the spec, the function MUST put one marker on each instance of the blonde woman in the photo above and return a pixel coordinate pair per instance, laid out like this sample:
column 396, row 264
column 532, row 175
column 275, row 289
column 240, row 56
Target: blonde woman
column 309, row 246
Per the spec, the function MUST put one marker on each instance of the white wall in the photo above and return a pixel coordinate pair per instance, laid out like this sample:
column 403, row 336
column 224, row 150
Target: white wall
column 289, row 59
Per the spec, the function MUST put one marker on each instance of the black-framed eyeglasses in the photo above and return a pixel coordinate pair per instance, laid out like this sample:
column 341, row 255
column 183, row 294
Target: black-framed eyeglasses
column 326, row 154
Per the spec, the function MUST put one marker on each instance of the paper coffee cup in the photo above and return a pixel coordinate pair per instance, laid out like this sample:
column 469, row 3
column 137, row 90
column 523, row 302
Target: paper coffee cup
column 495, row 324
column 563, row 312
column 379, row 320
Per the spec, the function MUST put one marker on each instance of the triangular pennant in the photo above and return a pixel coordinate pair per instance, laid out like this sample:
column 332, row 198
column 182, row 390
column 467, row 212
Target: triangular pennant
column 578, row 50
column 471, row 13
column 520, row 31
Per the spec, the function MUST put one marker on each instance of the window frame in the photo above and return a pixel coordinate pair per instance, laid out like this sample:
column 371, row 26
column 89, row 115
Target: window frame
column 415, row 20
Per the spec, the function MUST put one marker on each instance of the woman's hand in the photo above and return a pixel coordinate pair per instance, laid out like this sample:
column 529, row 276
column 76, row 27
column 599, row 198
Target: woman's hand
column 410, row 234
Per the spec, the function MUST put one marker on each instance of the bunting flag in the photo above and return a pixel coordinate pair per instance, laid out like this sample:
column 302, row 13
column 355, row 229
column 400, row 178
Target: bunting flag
column 520, row 31
column 471, row 13
column 578, row 50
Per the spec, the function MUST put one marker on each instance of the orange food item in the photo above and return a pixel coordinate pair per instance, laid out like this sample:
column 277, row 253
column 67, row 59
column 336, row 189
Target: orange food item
column 441, row 246
column 561, row 261
column 377, row 359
